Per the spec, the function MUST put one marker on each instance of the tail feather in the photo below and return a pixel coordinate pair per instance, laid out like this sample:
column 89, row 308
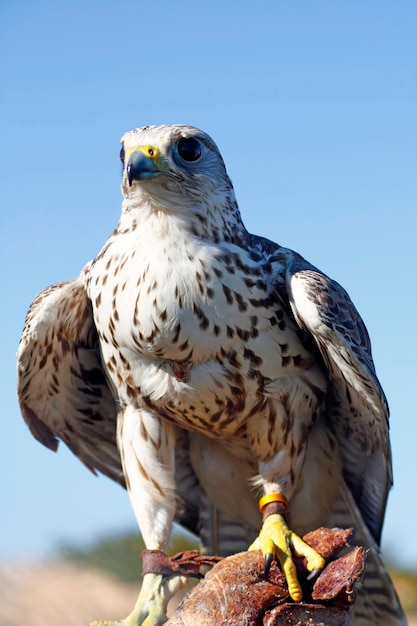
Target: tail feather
column 220, row 534
column 377, row 601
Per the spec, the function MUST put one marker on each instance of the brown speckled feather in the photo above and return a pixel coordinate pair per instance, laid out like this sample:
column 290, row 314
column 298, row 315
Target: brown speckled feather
column 63, row 392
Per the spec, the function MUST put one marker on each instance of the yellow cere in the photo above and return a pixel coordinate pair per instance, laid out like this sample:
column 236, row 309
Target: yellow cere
column 149, row 151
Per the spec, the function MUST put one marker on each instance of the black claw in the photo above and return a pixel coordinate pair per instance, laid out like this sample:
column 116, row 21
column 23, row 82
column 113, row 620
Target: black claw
column 314, row 574
column 269, row 557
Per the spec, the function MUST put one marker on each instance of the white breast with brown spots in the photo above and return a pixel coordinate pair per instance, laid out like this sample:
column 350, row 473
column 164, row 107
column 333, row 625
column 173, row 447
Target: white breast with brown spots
column 196, row 332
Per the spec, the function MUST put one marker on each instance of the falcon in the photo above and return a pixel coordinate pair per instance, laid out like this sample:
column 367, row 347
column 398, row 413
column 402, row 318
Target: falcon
column 204, row 367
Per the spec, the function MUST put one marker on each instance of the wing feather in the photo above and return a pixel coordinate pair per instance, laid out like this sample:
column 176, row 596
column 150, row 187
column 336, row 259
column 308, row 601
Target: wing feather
column 357, row 408
column 63, row 392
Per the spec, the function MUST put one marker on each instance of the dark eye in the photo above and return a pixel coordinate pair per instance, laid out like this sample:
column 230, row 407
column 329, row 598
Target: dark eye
column 189, row 149
column 122, row 155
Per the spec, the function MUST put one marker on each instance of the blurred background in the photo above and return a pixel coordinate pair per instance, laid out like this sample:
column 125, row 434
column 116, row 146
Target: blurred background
column 313, row 106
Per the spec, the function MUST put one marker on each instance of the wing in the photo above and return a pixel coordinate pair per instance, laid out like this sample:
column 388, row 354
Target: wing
column 356, row 406
column 63, row 392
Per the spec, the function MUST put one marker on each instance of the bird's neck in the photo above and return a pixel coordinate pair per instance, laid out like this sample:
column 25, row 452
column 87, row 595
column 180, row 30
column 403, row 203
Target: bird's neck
column 216, row 223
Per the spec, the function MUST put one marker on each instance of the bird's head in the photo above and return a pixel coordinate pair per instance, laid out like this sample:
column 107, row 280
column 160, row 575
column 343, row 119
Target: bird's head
column 178, row 170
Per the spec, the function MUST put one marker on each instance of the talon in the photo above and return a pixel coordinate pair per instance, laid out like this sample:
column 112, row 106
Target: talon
column 276, row 540
column 314, row 574
column 269, row 557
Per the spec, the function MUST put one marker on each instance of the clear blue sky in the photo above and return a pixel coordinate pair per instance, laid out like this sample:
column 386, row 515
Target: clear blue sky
column 314, row 107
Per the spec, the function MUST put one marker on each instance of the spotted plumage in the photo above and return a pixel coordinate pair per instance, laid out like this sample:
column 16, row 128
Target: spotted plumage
column 223, row 364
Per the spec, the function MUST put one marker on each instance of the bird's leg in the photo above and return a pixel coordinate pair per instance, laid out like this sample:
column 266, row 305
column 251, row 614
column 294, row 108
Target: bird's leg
column 278, row 471
column 147, row 451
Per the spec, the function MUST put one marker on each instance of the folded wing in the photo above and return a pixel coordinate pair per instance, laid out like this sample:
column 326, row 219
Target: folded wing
column 357, row 409
column 63, row 392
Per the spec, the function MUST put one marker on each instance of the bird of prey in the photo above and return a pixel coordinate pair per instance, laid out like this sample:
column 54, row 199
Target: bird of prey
column 199, row 364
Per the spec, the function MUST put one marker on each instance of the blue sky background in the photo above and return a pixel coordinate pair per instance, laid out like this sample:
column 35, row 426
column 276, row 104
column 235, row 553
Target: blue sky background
column 313, row 105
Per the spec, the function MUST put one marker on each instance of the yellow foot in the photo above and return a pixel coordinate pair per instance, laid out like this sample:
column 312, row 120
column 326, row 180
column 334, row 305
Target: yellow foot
column 276, row 540
column 151, row 605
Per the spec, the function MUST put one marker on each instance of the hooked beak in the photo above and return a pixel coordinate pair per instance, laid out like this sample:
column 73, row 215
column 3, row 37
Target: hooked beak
column 142, row 164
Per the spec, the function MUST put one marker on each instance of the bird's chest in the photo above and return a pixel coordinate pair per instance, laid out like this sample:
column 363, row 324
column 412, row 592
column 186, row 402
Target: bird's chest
column 192, row 333
column 161, row 302
column 173, row 297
